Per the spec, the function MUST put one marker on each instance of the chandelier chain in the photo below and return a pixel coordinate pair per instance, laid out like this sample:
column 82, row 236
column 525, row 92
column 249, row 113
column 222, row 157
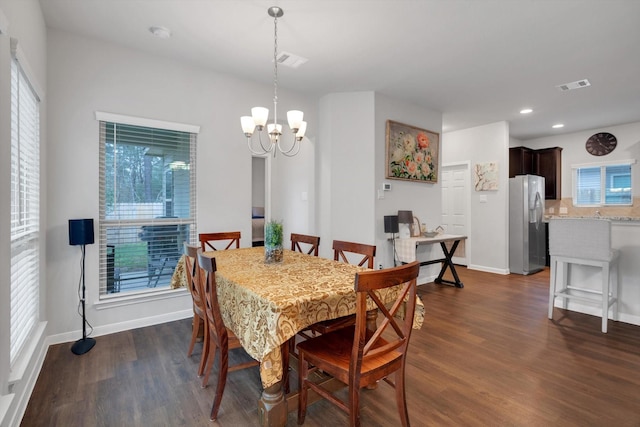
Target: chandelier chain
column 275, row 69
column 259, row 115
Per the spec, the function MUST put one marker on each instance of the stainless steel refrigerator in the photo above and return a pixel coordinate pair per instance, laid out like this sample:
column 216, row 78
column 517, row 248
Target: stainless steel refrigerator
column 527, row 246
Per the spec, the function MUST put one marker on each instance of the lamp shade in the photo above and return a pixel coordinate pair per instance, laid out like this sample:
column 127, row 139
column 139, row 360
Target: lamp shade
column 294, row 117
column 81, row 231
column 302, row 130
column 405, row 217
column 260, row 115
column 391, row 224
column 248, row 125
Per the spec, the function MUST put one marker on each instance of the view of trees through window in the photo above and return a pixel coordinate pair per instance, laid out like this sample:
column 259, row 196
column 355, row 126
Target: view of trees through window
column 146, row 204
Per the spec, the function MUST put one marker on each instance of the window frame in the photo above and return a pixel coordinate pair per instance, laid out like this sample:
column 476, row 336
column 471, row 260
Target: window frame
column 25, row 209
column 128, row 297
column 603, row 181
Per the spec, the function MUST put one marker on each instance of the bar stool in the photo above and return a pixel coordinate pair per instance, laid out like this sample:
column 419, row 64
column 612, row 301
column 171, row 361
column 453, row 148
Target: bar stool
column 584, row 242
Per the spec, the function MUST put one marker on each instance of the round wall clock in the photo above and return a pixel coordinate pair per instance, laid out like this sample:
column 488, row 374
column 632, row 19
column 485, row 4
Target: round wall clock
column 601, row 143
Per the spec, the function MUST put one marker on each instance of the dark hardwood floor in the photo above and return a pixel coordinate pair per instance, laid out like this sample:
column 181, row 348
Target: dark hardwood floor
column 486, row 356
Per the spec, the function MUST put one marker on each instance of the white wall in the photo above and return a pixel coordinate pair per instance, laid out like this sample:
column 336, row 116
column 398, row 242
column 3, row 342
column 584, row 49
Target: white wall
column 21, row 20
column 88, row 75
column 345, row 182
column 573, row 151
column 351, row 168
column 293, row 178
column 424, row 199
column 489, row 234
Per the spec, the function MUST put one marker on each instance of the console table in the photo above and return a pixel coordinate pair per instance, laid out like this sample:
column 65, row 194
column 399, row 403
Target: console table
column 406, row 251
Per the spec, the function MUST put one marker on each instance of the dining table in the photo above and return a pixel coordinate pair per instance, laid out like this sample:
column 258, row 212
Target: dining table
column 267, row 304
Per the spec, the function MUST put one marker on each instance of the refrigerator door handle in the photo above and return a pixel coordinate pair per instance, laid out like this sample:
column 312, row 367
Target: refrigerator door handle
column 537, row 207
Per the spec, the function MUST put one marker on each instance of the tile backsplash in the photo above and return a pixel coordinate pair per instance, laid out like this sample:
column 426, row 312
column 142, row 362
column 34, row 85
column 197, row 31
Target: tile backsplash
column 565, row 207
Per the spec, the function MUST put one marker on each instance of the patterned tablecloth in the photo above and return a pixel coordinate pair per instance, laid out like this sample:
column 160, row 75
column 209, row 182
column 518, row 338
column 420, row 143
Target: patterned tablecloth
column 267, row 304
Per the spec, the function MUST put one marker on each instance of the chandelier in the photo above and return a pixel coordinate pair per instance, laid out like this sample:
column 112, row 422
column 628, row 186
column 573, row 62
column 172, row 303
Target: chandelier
column 260, row 115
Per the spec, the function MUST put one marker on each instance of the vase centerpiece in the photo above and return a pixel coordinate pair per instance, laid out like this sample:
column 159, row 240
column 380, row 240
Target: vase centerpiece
column 273, row 252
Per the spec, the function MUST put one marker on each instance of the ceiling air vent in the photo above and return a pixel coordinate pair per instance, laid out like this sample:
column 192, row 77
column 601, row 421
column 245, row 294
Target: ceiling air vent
column 574, row 85
column 290, row 60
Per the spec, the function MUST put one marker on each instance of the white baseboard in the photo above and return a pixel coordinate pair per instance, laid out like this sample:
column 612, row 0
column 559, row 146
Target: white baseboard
column 122, row 326
column 423, row 280
column 502, row 271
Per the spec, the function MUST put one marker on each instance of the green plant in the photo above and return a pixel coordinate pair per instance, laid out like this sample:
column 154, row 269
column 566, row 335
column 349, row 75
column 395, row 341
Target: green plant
column 273, row 233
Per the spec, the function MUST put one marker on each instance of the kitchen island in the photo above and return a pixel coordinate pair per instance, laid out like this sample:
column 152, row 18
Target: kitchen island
column 625, row 237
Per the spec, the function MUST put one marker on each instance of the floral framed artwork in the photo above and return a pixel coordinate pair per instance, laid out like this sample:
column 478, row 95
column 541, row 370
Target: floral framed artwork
column 412, row 153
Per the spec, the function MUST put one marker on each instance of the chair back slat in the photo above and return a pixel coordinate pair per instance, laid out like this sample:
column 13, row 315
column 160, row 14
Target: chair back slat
column 214, row 316
column 313, row 241
column 341, row 248
column 194, row 278
column 207, row 240
column 371, row 343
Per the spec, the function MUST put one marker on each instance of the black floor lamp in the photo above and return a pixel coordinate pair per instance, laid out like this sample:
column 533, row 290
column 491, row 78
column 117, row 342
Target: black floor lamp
column 81, row 233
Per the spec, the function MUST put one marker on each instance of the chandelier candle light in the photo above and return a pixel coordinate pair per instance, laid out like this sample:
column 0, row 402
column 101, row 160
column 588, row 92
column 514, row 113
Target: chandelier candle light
column 260, row 115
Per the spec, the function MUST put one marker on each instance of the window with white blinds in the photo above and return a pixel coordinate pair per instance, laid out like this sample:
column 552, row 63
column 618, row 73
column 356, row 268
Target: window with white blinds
column 25, row 210
column 147, row 204
column 603, row 184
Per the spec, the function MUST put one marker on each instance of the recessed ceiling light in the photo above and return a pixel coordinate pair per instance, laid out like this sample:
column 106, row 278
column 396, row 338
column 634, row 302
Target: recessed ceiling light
column 526, row 111
column 558, row 126
column 161, row 32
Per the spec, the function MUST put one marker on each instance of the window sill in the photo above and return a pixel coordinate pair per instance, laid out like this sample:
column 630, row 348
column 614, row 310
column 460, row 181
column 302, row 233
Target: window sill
column 137, row 298
column 26, row 355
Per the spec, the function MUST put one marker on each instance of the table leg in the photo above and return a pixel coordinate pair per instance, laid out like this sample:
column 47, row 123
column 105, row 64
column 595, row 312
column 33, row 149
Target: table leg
column 447, row 263
column 272, row 408
column 372, row 315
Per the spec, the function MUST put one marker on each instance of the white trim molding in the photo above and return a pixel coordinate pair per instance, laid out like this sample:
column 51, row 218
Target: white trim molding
column 122, row 326
column 150, row 123
column 604, row 163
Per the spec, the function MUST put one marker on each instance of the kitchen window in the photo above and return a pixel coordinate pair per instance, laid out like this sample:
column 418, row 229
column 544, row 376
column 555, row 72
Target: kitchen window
column 603, row 184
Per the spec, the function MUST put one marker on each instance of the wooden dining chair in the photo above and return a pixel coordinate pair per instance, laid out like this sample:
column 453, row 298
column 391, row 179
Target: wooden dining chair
column 207, row 240
column 195, row 285
column 341, row 249
column 358, row 356
column 219, row 335
column 313, row 241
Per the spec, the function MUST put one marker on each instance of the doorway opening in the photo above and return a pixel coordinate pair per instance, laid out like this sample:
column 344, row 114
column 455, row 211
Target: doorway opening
column 258, row 199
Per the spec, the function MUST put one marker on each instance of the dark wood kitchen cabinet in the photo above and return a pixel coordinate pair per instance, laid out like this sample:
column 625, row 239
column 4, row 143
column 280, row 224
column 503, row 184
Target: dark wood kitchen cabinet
column 548, row 164
column 545, row 162
column 520, row 161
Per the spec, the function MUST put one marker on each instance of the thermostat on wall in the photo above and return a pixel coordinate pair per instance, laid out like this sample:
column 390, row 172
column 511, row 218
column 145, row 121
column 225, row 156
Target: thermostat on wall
column 386, row 186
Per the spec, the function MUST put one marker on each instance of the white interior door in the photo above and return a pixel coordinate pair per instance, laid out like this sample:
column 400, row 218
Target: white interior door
column 455, row 205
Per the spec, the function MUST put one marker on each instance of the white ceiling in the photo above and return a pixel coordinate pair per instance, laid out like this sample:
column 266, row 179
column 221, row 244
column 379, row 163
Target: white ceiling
column 477, row 61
